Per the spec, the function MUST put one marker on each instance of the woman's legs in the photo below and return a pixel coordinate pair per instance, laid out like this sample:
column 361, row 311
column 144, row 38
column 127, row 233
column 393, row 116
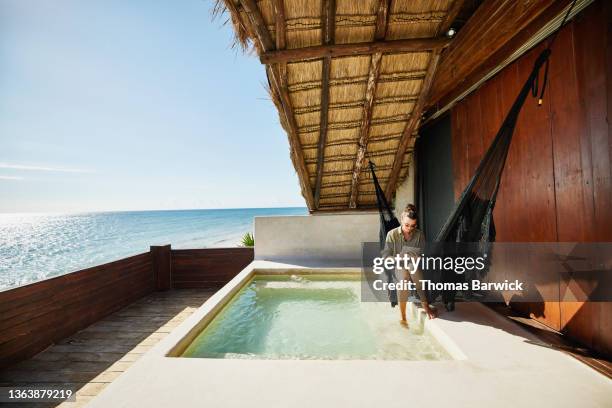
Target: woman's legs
column 403, row 297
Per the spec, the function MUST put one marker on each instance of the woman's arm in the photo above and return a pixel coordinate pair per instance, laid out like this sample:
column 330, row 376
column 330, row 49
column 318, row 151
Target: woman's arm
column 389, row 249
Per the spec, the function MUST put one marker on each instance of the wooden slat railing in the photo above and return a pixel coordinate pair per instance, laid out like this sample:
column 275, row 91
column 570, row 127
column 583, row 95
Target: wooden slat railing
column 34, row 316
column 206, row 268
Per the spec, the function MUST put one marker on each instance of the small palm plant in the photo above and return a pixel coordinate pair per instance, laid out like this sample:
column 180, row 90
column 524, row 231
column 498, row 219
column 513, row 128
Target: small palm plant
column 248, row 240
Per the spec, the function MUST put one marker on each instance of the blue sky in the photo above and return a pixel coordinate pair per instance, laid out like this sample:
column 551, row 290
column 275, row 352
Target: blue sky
column 127, row 105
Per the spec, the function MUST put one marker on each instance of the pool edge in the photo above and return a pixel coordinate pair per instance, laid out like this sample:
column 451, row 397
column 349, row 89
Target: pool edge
column 177, row 341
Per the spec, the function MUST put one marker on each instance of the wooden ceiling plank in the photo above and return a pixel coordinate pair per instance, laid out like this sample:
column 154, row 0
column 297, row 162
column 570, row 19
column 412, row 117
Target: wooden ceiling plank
column 484, row 34
column 448, row 94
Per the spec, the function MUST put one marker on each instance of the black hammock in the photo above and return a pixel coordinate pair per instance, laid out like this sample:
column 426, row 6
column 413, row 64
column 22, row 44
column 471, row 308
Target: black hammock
column 472, row 217
column 388, row 221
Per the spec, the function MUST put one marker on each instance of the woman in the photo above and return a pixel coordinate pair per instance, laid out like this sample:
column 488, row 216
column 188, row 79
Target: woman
column 407, row 238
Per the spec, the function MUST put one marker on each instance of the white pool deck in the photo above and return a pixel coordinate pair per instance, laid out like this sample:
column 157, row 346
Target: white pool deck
column 498, row 364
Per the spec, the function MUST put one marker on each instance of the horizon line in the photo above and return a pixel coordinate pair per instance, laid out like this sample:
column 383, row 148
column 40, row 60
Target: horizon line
column 144, row 210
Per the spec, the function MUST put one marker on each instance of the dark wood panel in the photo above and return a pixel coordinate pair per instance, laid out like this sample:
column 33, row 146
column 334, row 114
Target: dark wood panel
column 66, row 323
column 567, row 129
column 491, row 116
column 538, row 184
column 209, row 267
column 34, row 316
column 604, row 337
column 557, row 184
column 589, row 44
column 491, row 34
column 490, row 59
column 510, row 189
column 37, row 290
column 511, row 223
column 162, row 266
column 458, row 150
column 76, row 313
column 534, row 122
column 66, row 289
column 572, row 190
column 82, row 302
column 37, row 315
column 63, row 297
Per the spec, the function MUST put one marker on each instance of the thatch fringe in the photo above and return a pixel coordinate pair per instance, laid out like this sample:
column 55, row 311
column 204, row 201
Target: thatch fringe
column 242, row 39
column 387, row 110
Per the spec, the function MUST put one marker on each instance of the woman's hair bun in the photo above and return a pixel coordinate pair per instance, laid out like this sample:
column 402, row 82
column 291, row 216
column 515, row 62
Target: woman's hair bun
column 411, row 211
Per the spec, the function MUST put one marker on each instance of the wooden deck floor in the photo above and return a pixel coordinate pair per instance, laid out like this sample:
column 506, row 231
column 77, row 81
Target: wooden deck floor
column 92, row 358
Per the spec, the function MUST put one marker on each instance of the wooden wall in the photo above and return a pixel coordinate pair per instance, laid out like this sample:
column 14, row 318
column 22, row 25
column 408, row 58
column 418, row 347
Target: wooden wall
column 206, row 268
column 557, row 184
column 34, row 316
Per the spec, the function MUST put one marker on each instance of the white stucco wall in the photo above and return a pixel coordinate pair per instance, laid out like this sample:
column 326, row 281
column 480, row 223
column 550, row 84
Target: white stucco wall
column 334, row 238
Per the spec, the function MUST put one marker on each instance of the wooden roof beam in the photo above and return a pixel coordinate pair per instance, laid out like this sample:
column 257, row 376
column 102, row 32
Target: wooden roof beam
column 328, row 23
column 382, row 16
column 450, row 17
column 258, row 24
column 412, row 124
column 344, row 50
column 281, row 27
column 417, row 111
column 364, row 134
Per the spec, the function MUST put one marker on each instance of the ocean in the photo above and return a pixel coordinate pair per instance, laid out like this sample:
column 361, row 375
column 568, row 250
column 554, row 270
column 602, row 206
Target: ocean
column 39, row 246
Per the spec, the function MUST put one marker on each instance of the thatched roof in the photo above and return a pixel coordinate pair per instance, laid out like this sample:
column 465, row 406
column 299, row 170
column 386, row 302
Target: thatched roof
column 349, row 79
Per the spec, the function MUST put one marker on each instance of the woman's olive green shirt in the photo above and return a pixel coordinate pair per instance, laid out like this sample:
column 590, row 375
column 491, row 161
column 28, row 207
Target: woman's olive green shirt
column 395, row 242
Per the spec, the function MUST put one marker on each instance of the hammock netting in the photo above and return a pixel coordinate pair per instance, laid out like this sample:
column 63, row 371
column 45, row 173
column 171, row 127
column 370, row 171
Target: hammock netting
column 388, row 221
column 471, row 220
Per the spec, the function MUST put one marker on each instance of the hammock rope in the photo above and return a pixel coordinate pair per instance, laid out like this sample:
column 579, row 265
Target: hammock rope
column 388, row 221
column 472, row 217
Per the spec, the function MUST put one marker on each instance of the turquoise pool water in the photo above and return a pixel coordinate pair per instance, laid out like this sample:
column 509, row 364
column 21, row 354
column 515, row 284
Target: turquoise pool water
column 310, row 317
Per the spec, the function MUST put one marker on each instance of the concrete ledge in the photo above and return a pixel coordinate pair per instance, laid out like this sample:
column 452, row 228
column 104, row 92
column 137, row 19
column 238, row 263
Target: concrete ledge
column 497, row 364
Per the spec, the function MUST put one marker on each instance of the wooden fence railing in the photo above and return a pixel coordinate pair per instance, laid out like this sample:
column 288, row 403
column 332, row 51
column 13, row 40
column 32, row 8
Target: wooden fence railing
column 206, row 268
column 34, row 316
